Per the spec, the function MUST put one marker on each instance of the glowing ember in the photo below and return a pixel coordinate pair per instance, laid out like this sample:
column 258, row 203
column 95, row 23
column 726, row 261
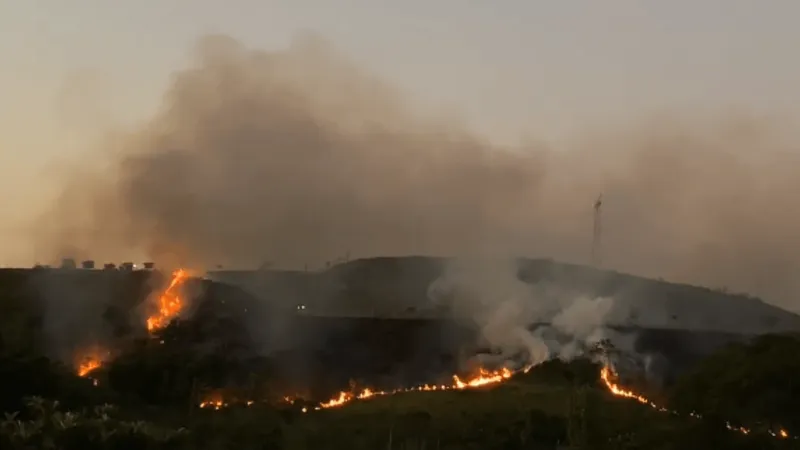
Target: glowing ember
column 606, row 373
column 169, row 302
column 214, row 404
column 218, row 403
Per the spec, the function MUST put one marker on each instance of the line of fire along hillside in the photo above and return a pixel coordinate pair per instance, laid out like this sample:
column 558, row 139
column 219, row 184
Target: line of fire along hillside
column 486, row 378
column 169, row 304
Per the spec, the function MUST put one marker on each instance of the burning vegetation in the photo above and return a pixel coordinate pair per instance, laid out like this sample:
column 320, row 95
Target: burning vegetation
column 607, row 373
column 88, row 366
column 483, row 378
column 169, row 303
column 90, row 360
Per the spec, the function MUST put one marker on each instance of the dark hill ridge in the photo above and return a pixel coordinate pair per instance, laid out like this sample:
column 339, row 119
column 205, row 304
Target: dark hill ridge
column 61, row 313
column 398, row 287
column 347, row 331
column 354, row 304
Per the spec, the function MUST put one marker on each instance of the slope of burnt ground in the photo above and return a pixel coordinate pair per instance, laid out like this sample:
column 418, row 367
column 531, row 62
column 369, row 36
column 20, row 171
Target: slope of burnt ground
column 226, row 338
column 216, row 349
column 231, row 337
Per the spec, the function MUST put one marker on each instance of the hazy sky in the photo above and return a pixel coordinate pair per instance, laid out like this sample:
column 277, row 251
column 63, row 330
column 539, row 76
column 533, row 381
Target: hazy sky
column 72, row 70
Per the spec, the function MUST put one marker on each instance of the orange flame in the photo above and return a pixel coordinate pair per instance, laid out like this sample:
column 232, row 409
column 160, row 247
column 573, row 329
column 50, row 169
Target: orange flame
column 169, row 303
column 483, row 378
column 92, row 360
column 88, row 366
column 606, row 373
column 216, row 402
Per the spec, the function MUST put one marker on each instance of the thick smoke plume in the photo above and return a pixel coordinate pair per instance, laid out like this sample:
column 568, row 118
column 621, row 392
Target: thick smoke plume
column 298, row 156
column 523, row 324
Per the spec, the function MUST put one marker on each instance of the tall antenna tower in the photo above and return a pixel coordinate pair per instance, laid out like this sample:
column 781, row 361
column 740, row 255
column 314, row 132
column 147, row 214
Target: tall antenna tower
column 597, row 232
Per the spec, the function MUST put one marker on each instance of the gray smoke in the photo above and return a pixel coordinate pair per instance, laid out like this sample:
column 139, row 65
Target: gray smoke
column 72, row 309
column 298, row 156
column 525, row 324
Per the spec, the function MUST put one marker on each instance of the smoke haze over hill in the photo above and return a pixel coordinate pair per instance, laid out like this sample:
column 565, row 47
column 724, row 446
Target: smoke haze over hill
column 298, row 156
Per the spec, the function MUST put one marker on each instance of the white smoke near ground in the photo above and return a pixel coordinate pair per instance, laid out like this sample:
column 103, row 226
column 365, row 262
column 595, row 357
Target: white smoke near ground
column 523, row 324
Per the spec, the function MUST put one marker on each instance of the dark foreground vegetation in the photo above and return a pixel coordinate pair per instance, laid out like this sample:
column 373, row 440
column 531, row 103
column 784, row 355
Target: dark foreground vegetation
column 148, row 395
column 556, row 405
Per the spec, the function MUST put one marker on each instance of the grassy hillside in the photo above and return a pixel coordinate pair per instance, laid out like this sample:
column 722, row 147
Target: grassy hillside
column 157, row 381
column 61, row 313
